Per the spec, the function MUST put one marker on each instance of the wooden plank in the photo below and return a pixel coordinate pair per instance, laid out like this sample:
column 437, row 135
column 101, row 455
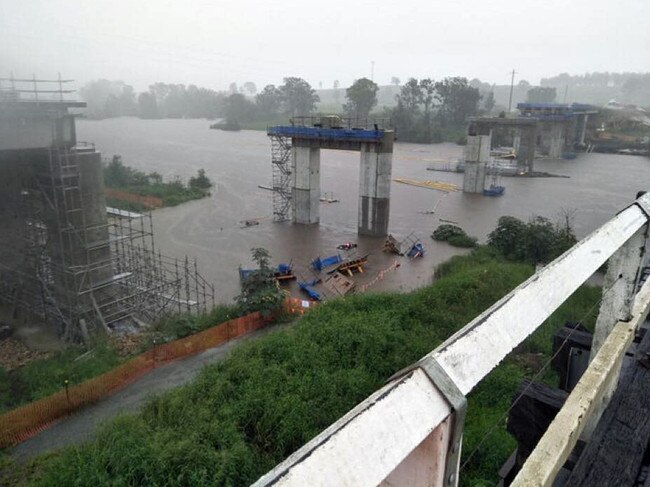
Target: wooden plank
column 617, row 448
column 529, row 418
column 555, row 446
column 564, row 340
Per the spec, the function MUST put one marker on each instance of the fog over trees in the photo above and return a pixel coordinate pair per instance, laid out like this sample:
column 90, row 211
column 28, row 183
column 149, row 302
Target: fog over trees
column 424, row 110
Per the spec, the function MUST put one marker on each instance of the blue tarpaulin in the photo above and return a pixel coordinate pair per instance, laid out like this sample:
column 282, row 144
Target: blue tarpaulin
column 309, row 290
column 319, row 264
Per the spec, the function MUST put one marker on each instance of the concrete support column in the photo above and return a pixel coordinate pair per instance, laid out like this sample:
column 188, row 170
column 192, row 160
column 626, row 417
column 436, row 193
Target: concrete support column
column 556, row 142
column 374, row 187
column 526, row 152
column 477, row 154
column 583, row 129
column 306, row 184
column 516, row 140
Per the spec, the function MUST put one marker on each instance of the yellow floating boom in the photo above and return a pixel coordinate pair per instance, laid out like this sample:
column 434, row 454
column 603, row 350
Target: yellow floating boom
column 437, row 185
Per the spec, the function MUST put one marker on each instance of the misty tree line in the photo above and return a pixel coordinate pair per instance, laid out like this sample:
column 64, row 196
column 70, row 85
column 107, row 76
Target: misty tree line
column 425, row 110
column 423, row 107
column 106, row 99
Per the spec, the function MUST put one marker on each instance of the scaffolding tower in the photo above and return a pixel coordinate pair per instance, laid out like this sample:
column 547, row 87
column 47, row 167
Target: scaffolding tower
column 65, row 258
column 57, row 269
column 282, row 177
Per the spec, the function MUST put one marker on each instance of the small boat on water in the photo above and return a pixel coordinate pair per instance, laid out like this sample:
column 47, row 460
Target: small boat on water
column 494, row 190
column 347, row 246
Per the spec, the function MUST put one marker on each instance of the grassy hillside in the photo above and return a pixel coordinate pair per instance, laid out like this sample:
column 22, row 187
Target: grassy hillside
column 242, row 416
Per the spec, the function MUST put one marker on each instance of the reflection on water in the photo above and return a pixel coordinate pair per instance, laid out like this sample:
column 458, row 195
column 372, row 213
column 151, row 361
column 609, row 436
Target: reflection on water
column 600, row 185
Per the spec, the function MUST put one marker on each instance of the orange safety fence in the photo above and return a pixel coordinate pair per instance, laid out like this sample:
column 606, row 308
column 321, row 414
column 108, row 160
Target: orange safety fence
column 150, row 202
column 26, row 421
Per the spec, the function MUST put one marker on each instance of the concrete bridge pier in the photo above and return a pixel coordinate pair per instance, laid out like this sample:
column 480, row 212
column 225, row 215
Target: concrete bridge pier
column 477, row 154
column 306, row 184
column 375, row 170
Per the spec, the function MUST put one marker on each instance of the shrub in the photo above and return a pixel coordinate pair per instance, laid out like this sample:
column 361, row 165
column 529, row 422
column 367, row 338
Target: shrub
column 454, row 235
column 536, row 241
column 443, row 232
column 462, row 241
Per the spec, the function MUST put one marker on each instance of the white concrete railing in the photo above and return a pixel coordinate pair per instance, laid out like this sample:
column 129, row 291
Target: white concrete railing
column 407, row 432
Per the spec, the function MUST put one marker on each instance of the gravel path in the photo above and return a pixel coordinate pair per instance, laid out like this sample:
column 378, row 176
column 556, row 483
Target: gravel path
column 81, row 426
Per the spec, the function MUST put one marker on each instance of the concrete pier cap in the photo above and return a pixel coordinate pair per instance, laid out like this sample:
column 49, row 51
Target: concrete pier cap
column 376, row 160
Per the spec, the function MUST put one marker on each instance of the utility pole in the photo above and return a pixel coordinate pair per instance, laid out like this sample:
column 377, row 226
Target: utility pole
column 512, row 85
column 372, row 71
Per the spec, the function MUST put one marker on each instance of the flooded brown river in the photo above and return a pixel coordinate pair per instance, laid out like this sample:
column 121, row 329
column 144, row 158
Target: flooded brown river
column 237, row 162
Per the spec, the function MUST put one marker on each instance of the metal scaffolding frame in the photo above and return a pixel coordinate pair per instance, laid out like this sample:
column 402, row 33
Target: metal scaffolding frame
column 57, row 270
column 283, row 168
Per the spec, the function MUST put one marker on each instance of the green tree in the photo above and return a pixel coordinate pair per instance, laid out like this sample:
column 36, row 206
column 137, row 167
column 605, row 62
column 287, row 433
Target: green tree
column 269, row 101
column 507, row 235
column 407, row 114
column 260, row 290
column 362, row 98
column 201, row 181
column 239, row 108
column 106, row 98
column 457, row 100
column 428, row 91
column 298, row 97
column 541, row 94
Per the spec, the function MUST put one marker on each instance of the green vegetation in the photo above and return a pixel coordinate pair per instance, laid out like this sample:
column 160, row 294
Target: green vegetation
column 44, row 377
column 362, row 98
column 182, row 325
column 260, row 291
column 124, row 178
column 434, row 111
column 536, row 241
column 241, row 416
column 454, row 235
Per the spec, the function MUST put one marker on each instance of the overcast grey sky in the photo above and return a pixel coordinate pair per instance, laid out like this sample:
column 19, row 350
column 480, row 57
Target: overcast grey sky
column 213, row 43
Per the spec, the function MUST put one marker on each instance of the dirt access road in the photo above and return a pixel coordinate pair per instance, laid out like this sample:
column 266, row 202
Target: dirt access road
column 81, row 426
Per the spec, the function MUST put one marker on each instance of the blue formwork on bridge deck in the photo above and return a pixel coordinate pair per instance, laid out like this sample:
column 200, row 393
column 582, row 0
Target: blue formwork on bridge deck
column 326, row 133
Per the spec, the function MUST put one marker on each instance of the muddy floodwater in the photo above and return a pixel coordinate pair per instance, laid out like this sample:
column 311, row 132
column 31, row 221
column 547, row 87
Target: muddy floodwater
column 210, row 230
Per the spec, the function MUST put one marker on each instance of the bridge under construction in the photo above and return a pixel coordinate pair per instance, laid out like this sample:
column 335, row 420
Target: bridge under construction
column 65, row 258
column 295, row 155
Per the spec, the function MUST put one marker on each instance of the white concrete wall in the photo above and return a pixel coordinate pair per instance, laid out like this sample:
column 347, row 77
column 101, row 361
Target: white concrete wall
column 306, row 184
